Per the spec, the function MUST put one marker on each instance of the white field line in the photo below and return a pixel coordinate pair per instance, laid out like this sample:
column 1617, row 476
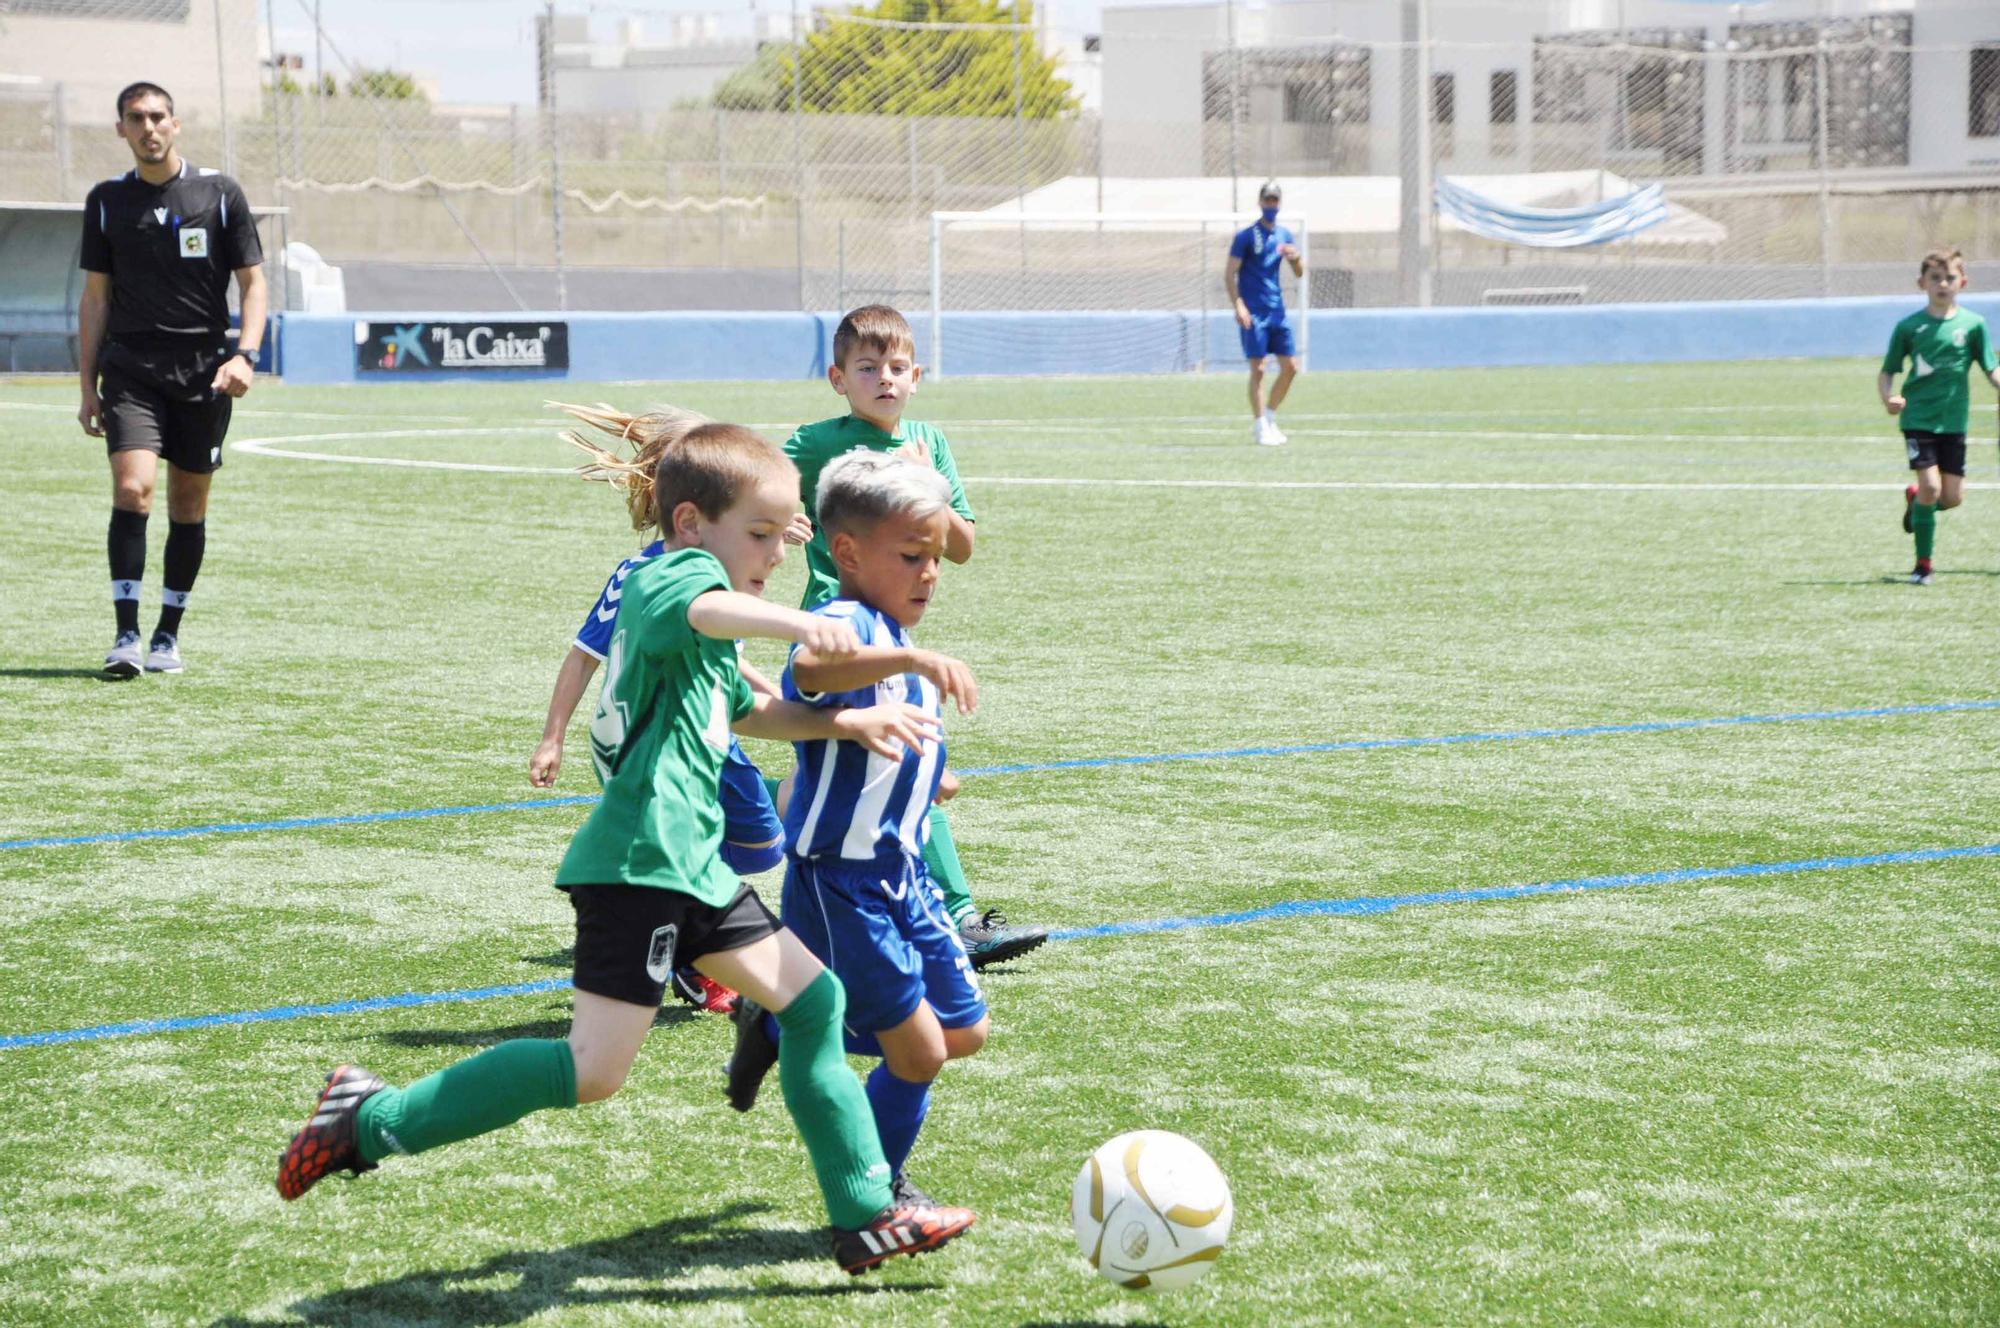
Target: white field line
column 56, row 408
column 270, row 447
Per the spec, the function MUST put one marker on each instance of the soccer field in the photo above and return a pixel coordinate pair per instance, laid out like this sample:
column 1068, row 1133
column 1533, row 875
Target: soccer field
column 1523, row 829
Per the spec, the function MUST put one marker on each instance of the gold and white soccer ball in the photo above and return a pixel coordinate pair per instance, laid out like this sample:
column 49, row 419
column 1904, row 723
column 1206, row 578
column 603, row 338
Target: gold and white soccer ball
column 1151, row 1210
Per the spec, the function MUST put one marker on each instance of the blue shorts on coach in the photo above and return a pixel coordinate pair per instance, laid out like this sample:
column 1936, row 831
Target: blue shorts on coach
column 884, row 933
column 1268, row 335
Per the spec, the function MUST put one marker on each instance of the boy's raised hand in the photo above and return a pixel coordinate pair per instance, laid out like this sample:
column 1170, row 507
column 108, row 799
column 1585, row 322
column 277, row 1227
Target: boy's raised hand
column 888, row 728
column 800, row 531
column 954, row 680
column 829, row 639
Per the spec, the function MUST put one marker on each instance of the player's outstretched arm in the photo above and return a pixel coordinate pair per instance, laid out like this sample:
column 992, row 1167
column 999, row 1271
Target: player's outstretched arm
column 729, row 614
column 571, row 681
column 871, row 664
column 884, row 729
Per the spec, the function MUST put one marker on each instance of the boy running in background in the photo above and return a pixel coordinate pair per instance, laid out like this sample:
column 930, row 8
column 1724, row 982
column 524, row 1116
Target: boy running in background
column 855, row 886
column 875, row 368
column 753, row 836
column 645, row 878
column 1940, row 343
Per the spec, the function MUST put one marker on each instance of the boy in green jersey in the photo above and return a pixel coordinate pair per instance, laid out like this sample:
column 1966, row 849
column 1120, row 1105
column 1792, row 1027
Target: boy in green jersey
column 645, row 877
column 1940, row 344
column 875, row 368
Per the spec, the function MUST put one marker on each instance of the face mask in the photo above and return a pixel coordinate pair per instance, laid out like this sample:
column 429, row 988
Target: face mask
column 1270, row 214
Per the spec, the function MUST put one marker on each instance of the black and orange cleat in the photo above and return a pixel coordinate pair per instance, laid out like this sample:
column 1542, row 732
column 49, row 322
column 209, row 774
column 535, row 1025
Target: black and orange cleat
column 899, row 1229
column 327, row 1144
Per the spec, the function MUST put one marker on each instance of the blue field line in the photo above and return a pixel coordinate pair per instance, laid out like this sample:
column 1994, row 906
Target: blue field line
column 1084, row 763
column 1298, row 908
column 145, row 1027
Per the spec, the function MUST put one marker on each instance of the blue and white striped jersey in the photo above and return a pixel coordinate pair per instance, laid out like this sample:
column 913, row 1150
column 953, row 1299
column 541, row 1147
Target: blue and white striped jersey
column 848, row 802
column 594, row 637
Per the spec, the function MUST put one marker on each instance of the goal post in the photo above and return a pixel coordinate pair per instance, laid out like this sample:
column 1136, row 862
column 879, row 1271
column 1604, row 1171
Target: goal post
column 1089, row 292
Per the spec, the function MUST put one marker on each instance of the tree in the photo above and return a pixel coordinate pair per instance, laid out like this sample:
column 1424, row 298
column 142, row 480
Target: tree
column 849, row 67
column 388, row 84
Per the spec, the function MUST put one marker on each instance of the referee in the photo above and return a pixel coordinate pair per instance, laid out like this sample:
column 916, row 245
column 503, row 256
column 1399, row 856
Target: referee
column 159, row 377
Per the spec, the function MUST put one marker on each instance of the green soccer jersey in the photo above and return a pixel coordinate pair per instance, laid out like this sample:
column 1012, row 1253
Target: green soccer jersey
column 814, row 445
column 659, row 737
column 1939, row 353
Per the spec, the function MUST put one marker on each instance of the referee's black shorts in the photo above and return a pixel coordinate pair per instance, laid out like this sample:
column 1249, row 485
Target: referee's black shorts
column 157, row 399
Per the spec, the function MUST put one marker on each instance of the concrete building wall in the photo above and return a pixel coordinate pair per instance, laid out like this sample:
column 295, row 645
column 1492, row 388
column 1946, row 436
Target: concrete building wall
column 92, row 58
column 1153, row 57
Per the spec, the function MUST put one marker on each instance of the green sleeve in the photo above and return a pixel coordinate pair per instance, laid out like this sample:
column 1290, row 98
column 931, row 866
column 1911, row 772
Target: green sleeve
column 942, row 459
column 741, row 699
column 1899, row 350
column 1984, row 350
column 667, row 588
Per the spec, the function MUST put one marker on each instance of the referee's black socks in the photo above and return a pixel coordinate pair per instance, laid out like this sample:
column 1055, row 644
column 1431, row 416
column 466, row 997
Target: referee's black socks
column 186, row 541
column 126, row 543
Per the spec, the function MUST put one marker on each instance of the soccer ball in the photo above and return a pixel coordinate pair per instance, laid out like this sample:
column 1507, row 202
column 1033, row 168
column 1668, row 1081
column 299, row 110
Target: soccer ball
column 1150, row 1211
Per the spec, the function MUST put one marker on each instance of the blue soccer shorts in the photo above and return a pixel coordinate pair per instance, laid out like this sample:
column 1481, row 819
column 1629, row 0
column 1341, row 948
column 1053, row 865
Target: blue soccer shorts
column 883, row 932
column 1268, row 335
column 748, row 816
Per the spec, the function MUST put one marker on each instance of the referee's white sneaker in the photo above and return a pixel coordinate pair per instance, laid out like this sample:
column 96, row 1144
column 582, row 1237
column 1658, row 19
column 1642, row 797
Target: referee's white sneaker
column 1265, row 434
column 125, row 659
column 1271, row 426
column 165, row 655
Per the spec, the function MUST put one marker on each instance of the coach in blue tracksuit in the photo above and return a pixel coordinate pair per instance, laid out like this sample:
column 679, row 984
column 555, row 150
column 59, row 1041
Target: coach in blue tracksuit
column 1252, row 280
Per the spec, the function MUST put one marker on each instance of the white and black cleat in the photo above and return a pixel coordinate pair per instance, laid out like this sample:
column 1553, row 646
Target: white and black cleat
column 164, row 656
column 126, row 658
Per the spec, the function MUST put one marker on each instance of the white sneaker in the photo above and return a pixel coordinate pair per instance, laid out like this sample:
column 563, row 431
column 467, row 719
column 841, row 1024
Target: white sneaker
column 125, row 658
column 164, row 657
column 1265, row 434
column 1277, row 434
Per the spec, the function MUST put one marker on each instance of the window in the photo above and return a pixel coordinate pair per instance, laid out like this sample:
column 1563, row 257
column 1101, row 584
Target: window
column 1777, row 100
column 1503, row 96
column 1443, row 98
column 1983, row 94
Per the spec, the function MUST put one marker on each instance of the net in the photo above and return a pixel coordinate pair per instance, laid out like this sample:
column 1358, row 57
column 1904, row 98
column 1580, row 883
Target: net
column 1149, row 286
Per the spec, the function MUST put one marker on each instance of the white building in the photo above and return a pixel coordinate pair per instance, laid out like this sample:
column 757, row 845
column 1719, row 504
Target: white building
column 79, row 53
column 1701, row 88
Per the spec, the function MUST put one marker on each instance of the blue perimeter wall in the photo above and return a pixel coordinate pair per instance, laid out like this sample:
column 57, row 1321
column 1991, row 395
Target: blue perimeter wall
column 319, row 348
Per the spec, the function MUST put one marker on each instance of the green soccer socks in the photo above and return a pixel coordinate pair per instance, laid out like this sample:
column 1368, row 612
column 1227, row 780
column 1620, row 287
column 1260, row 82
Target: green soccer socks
column 941, row 857
column 828, row 1106
column 476, row 1096
column 1923, row 521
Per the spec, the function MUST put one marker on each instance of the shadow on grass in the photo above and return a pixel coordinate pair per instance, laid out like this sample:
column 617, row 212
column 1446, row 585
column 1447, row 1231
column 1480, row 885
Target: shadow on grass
column 98, row 674
column 563, row 958
column 670, row 1016
column 1094, row 1323
column 1903, row 580
column 522, row 1284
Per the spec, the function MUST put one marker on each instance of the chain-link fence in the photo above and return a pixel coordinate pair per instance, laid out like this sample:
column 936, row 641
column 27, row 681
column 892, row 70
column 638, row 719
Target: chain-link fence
column 792, row 158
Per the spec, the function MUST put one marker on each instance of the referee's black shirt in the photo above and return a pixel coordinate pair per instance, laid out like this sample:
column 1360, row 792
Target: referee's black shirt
column 169, row 250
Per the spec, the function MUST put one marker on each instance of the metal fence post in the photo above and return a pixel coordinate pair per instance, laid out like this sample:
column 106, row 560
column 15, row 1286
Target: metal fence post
column 222, row 96
column 1235, row 98
column 552, row 132
column 1414, row 231
column 59, row 126
column 798, row 155
column 1821, row 100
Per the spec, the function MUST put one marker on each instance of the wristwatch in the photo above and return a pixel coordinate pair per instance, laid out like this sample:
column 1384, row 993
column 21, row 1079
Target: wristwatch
column 249, row 357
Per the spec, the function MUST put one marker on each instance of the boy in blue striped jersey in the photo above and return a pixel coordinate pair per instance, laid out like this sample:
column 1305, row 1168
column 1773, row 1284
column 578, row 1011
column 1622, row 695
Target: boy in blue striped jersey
column 856, row 889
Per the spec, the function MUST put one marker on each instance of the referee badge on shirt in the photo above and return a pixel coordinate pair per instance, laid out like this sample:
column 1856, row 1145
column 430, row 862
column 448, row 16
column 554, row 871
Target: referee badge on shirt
column 194, row 242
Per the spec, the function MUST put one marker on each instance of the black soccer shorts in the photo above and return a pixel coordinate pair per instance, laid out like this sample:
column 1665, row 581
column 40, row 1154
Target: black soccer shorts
column 630, row 938
column 1946, row 451
column 161, row 402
